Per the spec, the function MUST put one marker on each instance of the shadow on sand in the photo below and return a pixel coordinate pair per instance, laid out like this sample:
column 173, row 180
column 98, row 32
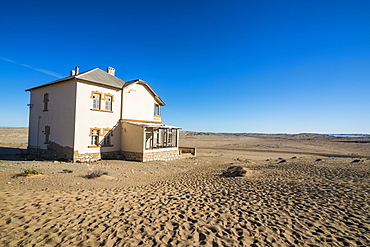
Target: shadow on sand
column 15, row 154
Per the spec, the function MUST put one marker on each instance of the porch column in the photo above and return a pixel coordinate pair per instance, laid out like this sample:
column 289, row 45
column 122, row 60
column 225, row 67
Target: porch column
column 152, row 138
column 166, row 134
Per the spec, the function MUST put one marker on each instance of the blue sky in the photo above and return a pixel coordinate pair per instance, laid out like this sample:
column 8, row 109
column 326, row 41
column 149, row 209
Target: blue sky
column 220, row 66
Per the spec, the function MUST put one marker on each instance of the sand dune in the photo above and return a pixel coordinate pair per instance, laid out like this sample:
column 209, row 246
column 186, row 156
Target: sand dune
column 304, row 201
column 294, row 203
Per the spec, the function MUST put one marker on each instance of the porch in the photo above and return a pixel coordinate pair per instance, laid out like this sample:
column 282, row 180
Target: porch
column 149, row 141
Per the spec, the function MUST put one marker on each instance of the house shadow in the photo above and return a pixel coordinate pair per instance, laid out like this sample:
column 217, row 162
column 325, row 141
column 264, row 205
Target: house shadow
column 14, row 154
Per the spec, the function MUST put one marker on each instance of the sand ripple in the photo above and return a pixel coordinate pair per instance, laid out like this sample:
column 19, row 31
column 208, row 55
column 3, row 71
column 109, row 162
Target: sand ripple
column 298, row 202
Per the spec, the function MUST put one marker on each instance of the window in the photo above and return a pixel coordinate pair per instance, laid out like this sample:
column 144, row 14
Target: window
column 149, row 138
column 46, row 101
column 157, row 110
column 94, row 133
column 173, row 138
column 107, row 136
column 102, row 102
column 169, row 137
column 108, row 103
column 160, row 138
column 96, row 100
column 47, row 134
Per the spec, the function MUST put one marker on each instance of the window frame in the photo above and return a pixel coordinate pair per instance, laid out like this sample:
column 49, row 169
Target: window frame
column 93, row 136
column 107, row 134
column 108, row 103
column 160, row 138
column 47, row 134
column 93, row 93
column 101, row 101
column 46, row 102
column 157, row 110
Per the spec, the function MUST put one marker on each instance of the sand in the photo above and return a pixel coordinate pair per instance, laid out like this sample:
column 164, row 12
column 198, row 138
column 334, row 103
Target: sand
column 297, row 192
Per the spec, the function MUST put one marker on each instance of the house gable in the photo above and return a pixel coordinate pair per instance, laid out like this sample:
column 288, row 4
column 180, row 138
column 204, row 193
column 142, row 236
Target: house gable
column 139, row 102
column 146, row 85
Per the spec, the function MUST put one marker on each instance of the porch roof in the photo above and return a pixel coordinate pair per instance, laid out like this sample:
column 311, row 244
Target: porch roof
column 151, row 125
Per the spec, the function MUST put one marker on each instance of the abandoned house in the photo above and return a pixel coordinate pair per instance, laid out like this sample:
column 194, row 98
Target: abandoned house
column 92, row 115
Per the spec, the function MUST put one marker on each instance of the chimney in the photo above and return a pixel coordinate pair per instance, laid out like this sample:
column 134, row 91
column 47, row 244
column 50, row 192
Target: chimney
column 111, row 70
column 72, row 73
column 77, row 70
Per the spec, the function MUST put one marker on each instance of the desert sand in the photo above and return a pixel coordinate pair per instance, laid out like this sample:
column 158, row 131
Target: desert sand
column 300, row 190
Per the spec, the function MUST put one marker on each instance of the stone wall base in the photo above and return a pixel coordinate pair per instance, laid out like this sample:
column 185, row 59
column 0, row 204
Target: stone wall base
column 132, row 156
column 87, row 157
column 161, row 155
column 114, row 155
column 152, row 156
column 120, row 155
column 49, row 154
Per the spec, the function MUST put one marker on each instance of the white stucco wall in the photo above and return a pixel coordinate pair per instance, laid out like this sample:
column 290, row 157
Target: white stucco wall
column 87, row 118
column 60, row 115
column 70, row 116
column 138, row 103
column 132, row 138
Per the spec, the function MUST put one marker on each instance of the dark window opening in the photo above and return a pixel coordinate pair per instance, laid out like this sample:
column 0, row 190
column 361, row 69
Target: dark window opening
column 47, row 134
column 157, row 110
column 107, row 137
column 46, row 102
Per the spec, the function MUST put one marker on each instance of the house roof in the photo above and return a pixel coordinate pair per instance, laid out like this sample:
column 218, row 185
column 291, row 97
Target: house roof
column 95, row 75
column 101, row 77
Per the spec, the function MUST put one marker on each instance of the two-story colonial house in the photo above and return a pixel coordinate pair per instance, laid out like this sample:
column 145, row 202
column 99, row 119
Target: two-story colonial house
column 92, row 115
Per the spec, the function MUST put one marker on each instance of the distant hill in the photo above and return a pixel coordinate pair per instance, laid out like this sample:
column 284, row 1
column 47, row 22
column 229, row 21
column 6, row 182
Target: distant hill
column 351, row 135
column 299, row 136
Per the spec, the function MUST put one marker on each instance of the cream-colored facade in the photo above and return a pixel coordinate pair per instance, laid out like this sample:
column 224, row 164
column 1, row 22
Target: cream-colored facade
column 138, row 103
column 101, row 119
column 93, row 115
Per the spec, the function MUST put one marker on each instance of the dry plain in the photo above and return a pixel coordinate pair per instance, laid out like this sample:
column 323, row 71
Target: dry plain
column 301, row 190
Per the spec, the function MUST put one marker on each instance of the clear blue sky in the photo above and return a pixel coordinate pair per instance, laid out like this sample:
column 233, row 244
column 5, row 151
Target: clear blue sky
column 220, row 66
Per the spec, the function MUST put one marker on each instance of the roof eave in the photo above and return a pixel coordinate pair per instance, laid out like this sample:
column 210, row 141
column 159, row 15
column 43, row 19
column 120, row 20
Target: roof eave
column 51, row 83
column 144, row 124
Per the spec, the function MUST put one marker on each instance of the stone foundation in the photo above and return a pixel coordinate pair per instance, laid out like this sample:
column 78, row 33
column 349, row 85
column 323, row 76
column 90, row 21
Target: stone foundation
column 120, row 155
column 152, row 156
column 132, row 156
column 87, row 157
column 49, row 154
column 161, row 155
column 114, row 155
